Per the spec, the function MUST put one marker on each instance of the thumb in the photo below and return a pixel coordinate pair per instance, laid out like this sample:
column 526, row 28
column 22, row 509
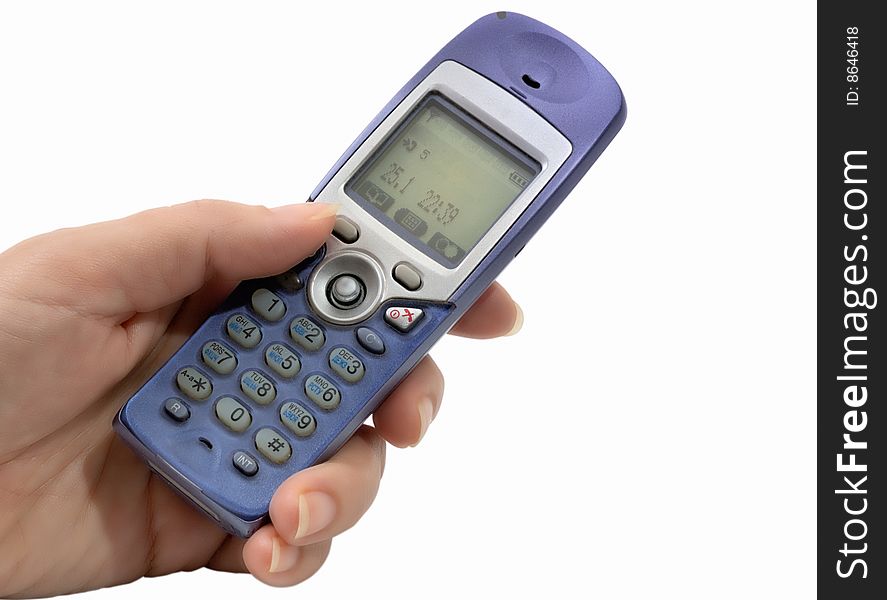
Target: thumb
column 154, row 258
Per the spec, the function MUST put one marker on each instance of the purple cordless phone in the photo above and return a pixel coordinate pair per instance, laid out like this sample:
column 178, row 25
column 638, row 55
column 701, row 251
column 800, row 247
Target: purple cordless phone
column 436, row 196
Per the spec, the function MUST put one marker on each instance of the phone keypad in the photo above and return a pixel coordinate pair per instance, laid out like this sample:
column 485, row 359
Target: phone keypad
column 268, row 305
column 259, row 388
column 194, row 383
column 219, row 357
column 346, row 364
column 254, row 352
column 283, row 360
column 307, row 334
column 244, row 330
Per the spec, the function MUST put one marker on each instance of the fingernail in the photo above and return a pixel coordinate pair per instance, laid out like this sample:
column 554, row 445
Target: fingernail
column 316, row 210
column 426, row 413
column 283, row 556
column 316, row 511
column 518, row 320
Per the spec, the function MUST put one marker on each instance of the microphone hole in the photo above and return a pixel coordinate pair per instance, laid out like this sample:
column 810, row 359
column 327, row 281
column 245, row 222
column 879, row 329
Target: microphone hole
column 531, row 82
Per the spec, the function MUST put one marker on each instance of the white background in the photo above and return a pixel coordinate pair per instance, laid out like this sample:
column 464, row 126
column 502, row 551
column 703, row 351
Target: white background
column 649, row 436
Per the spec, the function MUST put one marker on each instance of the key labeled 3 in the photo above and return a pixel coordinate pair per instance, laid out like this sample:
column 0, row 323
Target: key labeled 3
column 346, row 364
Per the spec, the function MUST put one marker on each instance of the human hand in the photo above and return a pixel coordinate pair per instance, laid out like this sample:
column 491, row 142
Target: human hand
column 87, row 315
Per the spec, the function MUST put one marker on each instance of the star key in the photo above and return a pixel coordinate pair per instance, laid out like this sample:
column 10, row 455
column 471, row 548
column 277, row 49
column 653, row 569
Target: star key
column 194, row 383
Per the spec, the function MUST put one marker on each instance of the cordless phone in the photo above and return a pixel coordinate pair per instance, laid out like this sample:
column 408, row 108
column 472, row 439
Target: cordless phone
column 435, row 196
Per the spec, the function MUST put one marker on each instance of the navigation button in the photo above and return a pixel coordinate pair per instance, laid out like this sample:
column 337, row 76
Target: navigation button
column 407, row 276
column 345, row 230
column 346, row 291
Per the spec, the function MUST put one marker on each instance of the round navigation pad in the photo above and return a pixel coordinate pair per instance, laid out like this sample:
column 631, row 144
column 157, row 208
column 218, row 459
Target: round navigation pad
column 345, row 287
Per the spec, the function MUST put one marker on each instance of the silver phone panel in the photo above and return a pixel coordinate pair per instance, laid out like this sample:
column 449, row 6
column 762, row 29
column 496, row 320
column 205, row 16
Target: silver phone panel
column 496, row 108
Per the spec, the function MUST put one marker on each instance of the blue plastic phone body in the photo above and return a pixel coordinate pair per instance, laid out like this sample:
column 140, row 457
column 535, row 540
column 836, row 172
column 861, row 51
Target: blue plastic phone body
column 535, row 66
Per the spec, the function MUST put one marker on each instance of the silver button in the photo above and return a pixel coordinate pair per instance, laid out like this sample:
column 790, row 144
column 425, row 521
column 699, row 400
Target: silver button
column 407, row 276
column 345, row 230
column 346, row 290
column 403, row 318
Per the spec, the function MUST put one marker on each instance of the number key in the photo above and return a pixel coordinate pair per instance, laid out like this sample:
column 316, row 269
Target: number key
column 258, row 387
column 244, row 331
column 346, row 364
column 283, row 360
column 219, row 357
column 268, row 304
column 233, row 414
column 297, row 419
column 307, row 333
column 322, row 392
